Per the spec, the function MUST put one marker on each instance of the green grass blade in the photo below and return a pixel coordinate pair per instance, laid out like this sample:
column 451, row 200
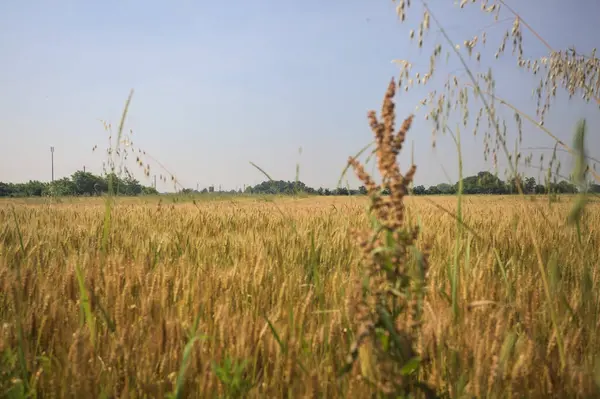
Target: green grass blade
column 85, row 305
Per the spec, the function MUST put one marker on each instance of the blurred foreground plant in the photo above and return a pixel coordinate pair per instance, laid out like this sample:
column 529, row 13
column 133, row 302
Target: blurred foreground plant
column 388, row 311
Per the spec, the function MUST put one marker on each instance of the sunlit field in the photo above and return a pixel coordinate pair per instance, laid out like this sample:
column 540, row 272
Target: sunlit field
column 261, row 291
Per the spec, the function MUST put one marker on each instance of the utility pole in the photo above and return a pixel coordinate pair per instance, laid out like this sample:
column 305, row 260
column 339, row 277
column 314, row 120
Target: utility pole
column 155, row 182
column 52, row 157
column 83, row 168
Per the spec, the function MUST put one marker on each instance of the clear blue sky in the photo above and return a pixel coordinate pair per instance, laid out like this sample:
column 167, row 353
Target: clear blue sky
column 218, row 84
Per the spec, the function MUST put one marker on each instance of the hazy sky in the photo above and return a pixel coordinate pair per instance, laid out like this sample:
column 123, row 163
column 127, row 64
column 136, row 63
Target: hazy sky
column 218, row 83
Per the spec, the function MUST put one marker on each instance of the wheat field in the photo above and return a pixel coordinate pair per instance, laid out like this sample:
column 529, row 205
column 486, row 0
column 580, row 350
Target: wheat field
column 265, row 287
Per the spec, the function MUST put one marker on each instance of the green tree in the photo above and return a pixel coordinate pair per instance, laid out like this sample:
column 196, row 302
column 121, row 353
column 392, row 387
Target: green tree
column 131, row 186
column 540, row 189
column 445, row 188
column 433, row 190
column 419, row 190
column 530, row 185
column 87, row 183
column 5, row 190
column 62, row 187
column 149, row 191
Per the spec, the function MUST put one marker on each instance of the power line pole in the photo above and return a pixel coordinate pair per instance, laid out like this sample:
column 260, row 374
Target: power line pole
column 155, row 182
column 52, row 157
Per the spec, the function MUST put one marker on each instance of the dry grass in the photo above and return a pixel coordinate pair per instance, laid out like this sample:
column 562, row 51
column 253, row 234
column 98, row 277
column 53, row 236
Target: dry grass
column 230, row 263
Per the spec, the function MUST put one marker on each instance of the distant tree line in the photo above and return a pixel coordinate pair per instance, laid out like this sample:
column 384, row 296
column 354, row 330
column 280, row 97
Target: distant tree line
column 293, row 187
column 80, row 183
column 88, row 184
column 488, row 183
column 481, row 183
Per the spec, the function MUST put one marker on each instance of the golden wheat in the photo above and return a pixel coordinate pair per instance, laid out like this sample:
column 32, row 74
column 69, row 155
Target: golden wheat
column 236, row 264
